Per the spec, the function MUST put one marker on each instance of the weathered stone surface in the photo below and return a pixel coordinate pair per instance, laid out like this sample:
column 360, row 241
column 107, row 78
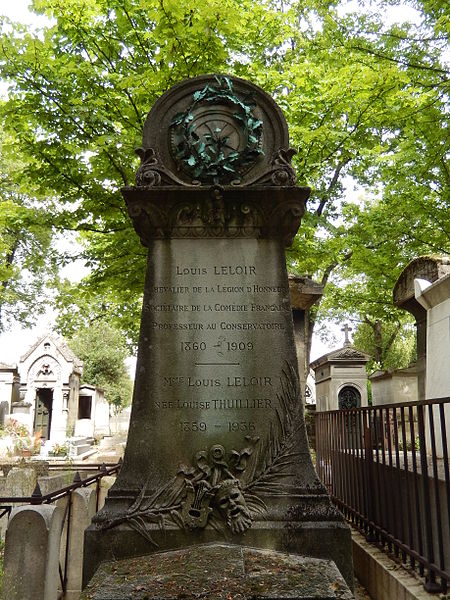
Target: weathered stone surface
column 83, row 509
column 20, row 482
column 218, row 571
column 32, row 553
column 217, row 449
column 215, row 212
column 304, row 292
column 428, row 268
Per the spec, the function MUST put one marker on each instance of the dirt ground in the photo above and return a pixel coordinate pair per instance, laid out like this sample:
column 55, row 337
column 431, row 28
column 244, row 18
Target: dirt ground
column 360, row 592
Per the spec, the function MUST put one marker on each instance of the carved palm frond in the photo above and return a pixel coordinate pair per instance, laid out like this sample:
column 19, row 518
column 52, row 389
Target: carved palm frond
column 280, row 451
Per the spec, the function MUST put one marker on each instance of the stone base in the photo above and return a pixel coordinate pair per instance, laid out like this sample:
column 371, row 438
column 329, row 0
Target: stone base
column 218, row 571
column 323, row 539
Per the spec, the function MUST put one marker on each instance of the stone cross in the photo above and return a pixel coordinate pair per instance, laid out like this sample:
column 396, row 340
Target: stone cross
column 346, row 329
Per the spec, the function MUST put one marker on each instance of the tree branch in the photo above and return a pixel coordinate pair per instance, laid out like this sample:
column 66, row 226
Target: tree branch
column 401, row 62
column 331, row 185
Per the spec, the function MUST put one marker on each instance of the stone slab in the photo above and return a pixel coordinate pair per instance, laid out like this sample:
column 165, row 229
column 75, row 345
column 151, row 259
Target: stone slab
column 218, row 571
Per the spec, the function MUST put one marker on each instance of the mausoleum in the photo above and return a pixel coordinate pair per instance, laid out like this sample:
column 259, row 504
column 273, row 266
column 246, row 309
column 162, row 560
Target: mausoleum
column 44, row 393
column 428, row 308
column 394, row 386
column 341, row 378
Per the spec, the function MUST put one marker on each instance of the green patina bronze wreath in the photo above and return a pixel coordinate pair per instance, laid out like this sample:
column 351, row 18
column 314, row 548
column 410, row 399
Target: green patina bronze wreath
column 218, row 137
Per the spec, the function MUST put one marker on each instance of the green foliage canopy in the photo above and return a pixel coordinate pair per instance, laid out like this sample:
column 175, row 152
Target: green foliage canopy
column 365, row 102
column 27, row 257
column 103, row 350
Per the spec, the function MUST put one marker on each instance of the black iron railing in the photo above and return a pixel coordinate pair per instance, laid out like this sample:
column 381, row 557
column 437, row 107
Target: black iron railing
column 387, row 469
column 36, row 498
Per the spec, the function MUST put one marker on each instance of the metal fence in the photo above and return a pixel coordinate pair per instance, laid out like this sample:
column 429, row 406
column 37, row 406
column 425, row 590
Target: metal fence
column 387, row 469
column 65, row 493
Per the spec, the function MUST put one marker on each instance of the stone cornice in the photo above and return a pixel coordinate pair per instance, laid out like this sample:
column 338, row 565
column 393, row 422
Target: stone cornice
column 347, row 354
column 259, row 212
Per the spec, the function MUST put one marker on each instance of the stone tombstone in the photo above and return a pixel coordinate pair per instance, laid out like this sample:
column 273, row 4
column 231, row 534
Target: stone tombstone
column 217, row 449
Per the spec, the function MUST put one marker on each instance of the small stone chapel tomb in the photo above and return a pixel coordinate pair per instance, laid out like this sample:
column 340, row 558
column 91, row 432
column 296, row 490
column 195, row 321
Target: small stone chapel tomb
column 51, row 399
column 341, row 378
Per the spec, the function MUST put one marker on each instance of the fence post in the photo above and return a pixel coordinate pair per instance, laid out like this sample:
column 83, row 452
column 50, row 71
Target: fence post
column 431, row 585
column 105, row 483
column 369, row 487
column 83, row 509
column 32, row 553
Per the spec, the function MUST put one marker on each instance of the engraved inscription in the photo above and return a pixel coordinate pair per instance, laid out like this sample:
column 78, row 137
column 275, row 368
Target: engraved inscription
column 217, row 270
column 217, row 323
column 222, row 487
column 227, row 331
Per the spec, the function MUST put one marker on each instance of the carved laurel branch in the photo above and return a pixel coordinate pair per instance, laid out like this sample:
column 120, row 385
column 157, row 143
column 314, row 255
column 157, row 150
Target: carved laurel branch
column 261, row 472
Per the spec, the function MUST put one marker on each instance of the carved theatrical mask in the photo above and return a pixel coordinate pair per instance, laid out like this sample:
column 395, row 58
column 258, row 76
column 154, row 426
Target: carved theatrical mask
column 232, row 506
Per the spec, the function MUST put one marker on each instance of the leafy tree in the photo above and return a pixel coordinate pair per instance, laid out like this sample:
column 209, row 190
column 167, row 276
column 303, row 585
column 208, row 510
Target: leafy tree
column 103, row 351
column 27, row 258
column 365, row 102
column 78, row 308
column 391, row 346
column 359, row 248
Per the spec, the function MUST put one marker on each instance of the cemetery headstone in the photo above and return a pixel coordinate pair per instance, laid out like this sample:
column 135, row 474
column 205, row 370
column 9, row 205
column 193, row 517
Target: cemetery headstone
column 217, row 449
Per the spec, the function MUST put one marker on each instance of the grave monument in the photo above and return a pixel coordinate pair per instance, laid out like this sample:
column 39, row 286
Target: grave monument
column 217, row 450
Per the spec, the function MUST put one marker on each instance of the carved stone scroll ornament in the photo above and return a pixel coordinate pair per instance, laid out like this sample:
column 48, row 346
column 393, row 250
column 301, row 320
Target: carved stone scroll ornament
column 286, row 218
column 281, row 173
column 149, row 220
column 223, row 489
column 152, row 173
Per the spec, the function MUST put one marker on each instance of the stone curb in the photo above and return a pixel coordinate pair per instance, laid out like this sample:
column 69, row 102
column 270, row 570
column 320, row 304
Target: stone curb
column 382, row 577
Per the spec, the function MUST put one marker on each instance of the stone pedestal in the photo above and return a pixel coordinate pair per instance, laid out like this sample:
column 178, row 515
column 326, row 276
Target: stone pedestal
column 218, row 571
column 217, row 448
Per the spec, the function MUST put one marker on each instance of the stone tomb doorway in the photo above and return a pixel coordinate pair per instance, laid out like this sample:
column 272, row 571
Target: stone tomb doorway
column 43, row 413
column 349, row 397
